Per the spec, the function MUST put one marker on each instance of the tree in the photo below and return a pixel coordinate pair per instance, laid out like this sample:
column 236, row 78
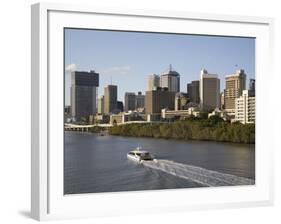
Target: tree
column 213, row 129
column 215, row 119
column 84, row 119
column 114, row 122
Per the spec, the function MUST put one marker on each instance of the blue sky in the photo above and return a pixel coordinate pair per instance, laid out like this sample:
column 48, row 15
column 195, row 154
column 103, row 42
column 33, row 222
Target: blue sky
column 127, row 58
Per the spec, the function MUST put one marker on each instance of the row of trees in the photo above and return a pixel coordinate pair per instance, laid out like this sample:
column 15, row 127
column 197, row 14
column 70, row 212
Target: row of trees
column 96, row 129
column 212, row 129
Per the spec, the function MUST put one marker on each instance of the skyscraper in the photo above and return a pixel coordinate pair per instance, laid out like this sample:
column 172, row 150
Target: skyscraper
column 234, row 86
column 181, row 101
column 83, row 93
column 130, row 101
column 120, row 106
column 156, row 100
column 140, row 100
column 252, row 86
column 101, row 105
column 193, row 91
column 222, row 100
column 153, row 82
column 110, row 99
column 209, row 90
column 170, row 80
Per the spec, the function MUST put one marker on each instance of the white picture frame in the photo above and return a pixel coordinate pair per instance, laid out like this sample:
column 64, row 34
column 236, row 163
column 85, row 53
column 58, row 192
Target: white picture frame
column 47, row 199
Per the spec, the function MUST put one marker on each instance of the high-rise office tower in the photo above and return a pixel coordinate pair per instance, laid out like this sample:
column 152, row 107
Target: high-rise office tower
column 140, row 100
column 156, row 100
column 101, row 105
column 153, row 82
column 252, row 86
column 170, row 80
column 222, row 100
column 234, row 86
column 193, row 91
column 209, row 91
column 130, row 101
column 120, row 106
column 84, row 87
column 110, row 99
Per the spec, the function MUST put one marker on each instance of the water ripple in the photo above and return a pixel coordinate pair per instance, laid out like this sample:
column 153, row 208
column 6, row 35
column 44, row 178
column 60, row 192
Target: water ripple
column 198, row 174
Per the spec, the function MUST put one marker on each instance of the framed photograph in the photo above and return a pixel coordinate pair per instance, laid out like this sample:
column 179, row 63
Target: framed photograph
column 159, row 111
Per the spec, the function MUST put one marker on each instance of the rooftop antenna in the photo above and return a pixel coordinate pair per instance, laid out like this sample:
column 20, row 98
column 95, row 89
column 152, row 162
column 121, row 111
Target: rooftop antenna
column 203, row 69
column 170, row 67
column 110, row 80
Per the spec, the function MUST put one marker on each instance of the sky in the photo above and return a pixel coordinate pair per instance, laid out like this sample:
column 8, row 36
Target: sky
column 126, row 59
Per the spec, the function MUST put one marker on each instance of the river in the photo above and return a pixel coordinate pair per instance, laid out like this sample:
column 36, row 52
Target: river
column 94, row 163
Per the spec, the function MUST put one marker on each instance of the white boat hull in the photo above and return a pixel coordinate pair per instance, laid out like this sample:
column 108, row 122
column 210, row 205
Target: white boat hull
column 134, row 158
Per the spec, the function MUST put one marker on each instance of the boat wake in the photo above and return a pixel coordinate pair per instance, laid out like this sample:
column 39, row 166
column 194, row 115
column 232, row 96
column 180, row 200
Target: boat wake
column 197, row 174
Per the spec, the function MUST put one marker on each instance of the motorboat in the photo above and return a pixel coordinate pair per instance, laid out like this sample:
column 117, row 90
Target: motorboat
column 139, row 155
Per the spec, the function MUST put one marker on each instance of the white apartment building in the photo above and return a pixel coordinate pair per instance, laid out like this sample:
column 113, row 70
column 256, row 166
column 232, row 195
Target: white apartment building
column 191, row 111
column 245, row 108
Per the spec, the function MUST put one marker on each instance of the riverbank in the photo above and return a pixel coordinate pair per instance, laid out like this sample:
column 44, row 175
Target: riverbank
column 197, row 129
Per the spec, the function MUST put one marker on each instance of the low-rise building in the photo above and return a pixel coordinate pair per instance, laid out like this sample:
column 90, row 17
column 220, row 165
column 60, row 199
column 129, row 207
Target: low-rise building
column 117, row 118
column 124, row 117
column 99, row 119
column 220, row 113
column 153, row 117
column 180, row 114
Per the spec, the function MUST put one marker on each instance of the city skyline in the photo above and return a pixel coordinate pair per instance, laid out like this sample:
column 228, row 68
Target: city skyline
column 107, row 52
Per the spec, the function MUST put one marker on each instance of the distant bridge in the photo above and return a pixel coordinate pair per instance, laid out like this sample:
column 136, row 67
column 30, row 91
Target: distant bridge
column 78, row 127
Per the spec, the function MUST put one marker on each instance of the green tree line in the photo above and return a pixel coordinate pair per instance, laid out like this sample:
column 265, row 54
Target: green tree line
column 212, row 129
column 96, row 129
